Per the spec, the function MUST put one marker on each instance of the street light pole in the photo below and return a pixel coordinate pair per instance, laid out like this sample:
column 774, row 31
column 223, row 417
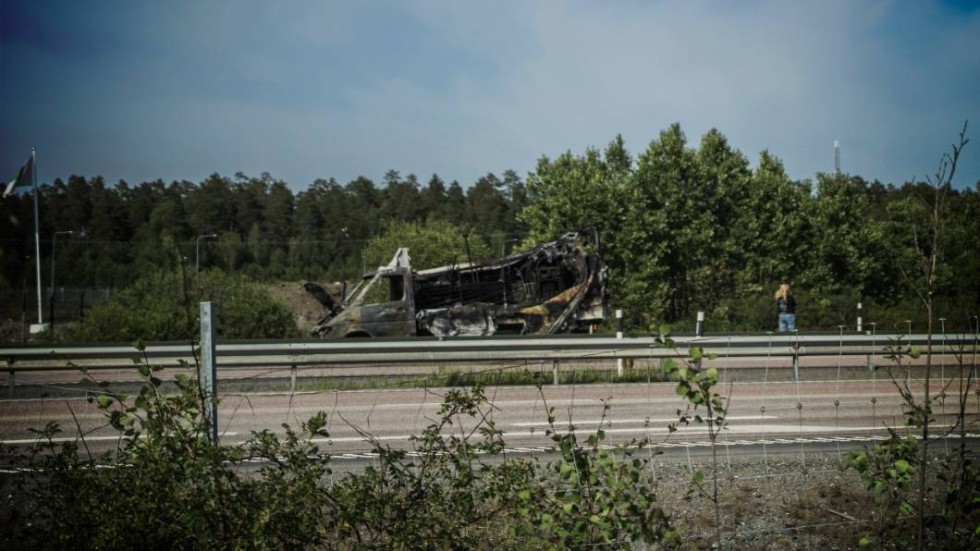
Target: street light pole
column 54, row 239
column 197, row 256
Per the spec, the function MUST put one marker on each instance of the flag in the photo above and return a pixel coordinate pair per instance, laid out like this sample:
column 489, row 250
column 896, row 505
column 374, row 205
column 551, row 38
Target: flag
column 24, row 178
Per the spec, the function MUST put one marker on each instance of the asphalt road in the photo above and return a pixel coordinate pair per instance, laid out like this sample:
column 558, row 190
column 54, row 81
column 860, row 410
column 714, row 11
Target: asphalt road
column 784, row 412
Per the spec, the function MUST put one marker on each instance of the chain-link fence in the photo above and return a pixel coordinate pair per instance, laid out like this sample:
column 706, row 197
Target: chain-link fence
column 63, row 305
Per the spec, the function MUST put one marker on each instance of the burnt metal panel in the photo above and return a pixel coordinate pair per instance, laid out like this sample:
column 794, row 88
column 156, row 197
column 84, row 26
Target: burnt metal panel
column 556, row 287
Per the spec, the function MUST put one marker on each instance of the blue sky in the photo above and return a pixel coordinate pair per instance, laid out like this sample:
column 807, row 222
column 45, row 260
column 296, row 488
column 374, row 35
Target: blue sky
column 139, row 90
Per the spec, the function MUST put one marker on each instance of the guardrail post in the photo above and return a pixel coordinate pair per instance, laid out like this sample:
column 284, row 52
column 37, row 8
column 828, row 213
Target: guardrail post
column 292, row 378
column 699, row 331
column 871, row 356
column 796, row 356
column 619, row 335
column 554, row 368
column 208, row 374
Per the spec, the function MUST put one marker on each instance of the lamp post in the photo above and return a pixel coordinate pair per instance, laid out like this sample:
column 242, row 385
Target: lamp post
column 197, row 256
column 54, row 239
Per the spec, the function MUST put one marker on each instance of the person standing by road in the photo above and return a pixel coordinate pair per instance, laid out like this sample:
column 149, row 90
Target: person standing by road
column 786, row 307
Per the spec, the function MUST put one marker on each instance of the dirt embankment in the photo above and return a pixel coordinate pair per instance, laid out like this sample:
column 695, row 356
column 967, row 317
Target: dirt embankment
column 306, row 310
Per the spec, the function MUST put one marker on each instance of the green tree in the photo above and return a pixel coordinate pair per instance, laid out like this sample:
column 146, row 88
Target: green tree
column 211, row 206
column 433, row 197
column 961, row 289
column 400, row 198
column 454, row 209
column 250, row 196
column 277, row 217
column 486, row 209
column 229, row 249
column 673, row 209
column 725, row 180
column 515, row 193
column 771, row 228
column 843, row 250
column 763, row 246
column 431, row 244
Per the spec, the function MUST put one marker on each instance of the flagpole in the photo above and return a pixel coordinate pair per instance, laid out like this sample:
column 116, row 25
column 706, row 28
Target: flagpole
column 37, row 238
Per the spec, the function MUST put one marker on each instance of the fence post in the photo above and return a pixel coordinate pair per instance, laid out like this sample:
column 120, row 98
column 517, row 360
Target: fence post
column 208, row 374
column 292, row 379
column 554, row 368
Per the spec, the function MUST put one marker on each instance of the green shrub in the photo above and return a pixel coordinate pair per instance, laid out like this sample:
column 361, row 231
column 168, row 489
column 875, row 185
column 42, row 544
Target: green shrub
column 168, row 487
column 163, row 306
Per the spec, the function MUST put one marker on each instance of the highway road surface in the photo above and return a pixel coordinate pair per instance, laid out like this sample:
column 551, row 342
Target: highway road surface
column 775, row 412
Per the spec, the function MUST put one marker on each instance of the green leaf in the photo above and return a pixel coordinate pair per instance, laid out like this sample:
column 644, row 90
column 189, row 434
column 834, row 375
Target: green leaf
column 599, row 521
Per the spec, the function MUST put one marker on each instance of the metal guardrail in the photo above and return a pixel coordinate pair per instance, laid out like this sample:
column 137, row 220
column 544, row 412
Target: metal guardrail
column 238, row 354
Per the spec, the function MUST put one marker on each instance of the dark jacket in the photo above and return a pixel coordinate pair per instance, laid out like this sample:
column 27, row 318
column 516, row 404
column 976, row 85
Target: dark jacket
column 786, row 305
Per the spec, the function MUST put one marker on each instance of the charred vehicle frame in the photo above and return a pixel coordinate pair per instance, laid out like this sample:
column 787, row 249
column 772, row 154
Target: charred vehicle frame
column 556, row 287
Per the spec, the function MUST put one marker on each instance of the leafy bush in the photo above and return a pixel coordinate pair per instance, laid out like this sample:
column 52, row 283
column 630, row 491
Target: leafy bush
column 164, row 306
column 168, row 487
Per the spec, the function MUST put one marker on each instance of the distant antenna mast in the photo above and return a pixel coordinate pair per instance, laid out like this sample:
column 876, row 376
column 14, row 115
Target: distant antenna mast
column 836, row 157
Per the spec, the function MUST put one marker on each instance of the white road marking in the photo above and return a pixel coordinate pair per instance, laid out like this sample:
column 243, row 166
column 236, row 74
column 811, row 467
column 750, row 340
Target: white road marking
column 559, row 423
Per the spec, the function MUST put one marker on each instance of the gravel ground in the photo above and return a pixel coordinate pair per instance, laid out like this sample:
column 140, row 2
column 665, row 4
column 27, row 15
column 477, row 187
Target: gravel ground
column 785, row 501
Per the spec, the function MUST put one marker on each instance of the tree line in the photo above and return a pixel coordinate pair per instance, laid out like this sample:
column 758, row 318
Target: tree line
column 683, row 228
column 259, row 226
